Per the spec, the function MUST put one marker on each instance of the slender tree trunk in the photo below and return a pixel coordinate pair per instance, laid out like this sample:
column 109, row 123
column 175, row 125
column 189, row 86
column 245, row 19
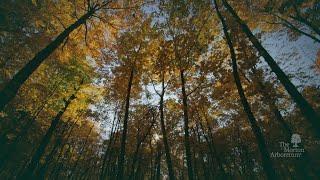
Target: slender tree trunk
column 275, row 110
column 272, row 104
column 105, row 157
column 265, row 156
column 139, row 173
column 82, row 152
column 8, row 152
column 139, row 143
column 12, row 87
column 111, row 161
column 164, row 133
column 6, row 130
column 304, row 106
column 194, row 155
column 124, row 131
column 302, row 19
column 291, row 26
column 186, row 126
column 210, row 141
column 57, row 162
column 158, row 162
column 42, row 170
column 200, row 152
column 28, row 173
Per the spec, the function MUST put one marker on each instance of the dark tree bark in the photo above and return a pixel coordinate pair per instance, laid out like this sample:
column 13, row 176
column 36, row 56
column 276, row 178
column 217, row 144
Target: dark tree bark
column 186, row 126
column 265, row 156
column 267, row 97
column 140, row 140
column 105, row 157
column 60, row 153
column 164, row 132
column 304, row 106
column 11, row 149
column 40, row 173
column 276, row 113
column 158, row 163
column 304, row 21
column 81, row 154
column 291, row 26
column 195, row 153
column 201, row 153
column 299, row 17
column 125, row 129
column 210, row 141
column 28, row 172
column 12, row 87
column 111, row 161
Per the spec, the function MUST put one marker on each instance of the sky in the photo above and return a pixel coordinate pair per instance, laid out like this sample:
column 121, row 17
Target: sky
column 295, row 57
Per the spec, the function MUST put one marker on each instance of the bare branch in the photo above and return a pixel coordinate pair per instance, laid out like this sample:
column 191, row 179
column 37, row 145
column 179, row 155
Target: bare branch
column 289, row 25
column 192, row 91
column 200, row 86
column 59, row 20
column 168, row 82
column 244, row 75
column 154, row 87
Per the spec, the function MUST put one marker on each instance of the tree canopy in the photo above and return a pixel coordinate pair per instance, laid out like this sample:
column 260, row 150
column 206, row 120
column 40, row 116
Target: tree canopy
column 163, row 89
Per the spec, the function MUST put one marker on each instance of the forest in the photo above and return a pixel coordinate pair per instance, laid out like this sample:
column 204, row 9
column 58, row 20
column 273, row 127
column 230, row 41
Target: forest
column 159, row 89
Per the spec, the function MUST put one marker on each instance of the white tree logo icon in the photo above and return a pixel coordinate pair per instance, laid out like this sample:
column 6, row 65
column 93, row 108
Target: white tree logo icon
column 295, row 140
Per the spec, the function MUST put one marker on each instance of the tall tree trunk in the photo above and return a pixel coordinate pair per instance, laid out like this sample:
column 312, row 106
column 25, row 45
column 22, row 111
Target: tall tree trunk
column 302, row 19
column 293, row 27
column 210, row 141
column 195, row 153
column 139, row 143
column 28, row 172
column 12, row 87
column 105, row 157
column 124, row 131
column 265, row 156
column 201, row 154
column 164, row 133
column 40, row 173
column 276, row 113
column 11, row 149
column 111, row 161
column 304, row 106
column 81, row 153
column 60, row 153
column 267, row 97
column 186, row 126
column 158, row 163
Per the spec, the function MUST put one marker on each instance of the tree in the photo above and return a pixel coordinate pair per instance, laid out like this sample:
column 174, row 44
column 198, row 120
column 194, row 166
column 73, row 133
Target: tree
column 162, row 68
column 12, row 87
column 133, row 58
column 304, row 106
column 266, row 160
column 172, row 89
column 46, row 139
